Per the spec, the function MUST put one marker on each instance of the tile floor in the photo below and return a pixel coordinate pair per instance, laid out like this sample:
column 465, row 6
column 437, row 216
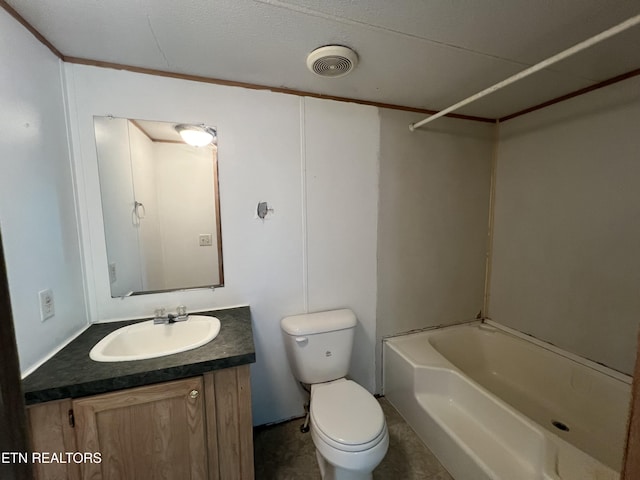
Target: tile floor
column 282, row 452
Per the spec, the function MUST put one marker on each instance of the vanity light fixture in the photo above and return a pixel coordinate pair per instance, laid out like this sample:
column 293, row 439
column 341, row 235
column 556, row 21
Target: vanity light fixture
column 196, row 135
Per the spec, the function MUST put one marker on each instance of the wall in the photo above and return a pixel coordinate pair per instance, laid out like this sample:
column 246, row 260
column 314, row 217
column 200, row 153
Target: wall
column 315, row 251
column 566, row 267
column 117, row 199
column 37, row 212
column 434, row 203
column 149, row 241
column 185, row 173
column 341, row 180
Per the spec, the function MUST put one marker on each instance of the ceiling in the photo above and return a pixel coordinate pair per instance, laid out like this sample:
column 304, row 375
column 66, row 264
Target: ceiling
column 159, row 131
column 417, row 53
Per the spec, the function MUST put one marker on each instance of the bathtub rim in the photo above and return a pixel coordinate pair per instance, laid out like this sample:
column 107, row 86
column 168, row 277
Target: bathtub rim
column 604, row 369
column 599, row 367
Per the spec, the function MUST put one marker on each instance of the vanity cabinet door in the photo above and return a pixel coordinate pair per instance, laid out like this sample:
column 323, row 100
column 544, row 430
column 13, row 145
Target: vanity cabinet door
column 228, row 396
column 157, row 431
column 52, row 432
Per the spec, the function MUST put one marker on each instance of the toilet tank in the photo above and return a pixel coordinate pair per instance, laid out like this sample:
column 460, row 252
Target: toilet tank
column 318, row 345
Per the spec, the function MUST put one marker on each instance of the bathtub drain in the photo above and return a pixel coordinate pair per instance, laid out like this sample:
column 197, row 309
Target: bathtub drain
column 560, row 425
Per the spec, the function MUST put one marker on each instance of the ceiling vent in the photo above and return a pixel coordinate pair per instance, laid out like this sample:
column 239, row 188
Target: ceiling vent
column 332, row 61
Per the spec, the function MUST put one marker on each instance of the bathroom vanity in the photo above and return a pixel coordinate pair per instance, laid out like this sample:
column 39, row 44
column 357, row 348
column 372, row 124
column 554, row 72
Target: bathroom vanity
column 184, row 416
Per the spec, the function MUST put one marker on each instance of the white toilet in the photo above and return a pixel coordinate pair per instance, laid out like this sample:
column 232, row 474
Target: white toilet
column 347, row 424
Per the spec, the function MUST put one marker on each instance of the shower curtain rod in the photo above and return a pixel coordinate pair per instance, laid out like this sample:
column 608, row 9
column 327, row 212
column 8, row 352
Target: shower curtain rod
column 631, row 22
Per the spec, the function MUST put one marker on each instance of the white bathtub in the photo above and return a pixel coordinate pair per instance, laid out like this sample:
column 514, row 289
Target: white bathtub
column 484, row 401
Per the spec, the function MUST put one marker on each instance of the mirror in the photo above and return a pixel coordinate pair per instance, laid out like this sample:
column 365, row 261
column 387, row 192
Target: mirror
column 161, row 207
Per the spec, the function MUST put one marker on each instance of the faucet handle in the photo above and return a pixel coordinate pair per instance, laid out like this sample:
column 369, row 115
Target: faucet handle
column 181, row 310
column 160, row 312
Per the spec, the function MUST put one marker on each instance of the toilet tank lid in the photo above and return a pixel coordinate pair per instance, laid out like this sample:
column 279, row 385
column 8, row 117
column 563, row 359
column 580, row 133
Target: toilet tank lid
column 320, row 322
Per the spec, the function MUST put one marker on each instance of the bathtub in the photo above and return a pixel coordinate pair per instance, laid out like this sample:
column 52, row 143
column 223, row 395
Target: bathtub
column 492, row 405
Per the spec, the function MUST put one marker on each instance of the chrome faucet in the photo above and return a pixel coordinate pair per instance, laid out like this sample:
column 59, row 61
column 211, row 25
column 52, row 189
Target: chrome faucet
column 162, row 317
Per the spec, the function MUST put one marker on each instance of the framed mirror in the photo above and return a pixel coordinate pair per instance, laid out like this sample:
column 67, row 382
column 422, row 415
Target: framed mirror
column 160, row 205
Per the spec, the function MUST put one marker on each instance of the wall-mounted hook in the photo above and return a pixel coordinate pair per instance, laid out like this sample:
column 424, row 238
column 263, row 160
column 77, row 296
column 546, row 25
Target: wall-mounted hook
column 141, row 212
column 263, row 210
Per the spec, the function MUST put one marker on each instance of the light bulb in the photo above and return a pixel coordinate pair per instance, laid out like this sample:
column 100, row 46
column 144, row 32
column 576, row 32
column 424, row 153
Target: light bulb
column 195, row 135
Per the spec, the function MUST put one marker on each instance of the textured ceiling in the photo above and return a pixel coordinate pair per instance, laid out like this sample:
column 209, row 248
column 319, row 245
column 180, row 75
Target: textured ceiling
column 418, row 53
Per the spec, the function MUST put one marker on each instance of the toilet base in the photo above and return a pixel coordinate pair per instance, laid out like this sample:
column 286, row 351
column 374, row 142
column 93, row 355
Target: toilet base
column 331, row 472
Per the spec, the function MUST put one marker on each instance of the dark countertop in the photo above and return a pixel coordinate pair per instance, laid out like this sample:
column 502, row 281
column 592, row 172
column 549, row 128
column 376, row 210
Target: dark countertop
column 70, row 373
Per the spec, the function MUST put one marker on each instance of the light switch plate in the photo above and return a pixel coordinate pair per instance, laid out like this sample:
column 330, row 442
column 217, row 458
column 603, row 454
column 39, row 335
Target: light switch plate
column 112, row 273
column 206, row 239
column 47, row 306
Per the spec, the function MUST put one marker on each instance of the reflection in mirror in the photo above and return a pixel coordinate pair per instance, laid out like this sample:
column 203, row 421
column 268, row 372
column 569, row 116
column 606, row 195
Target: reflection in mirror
column 160, row 206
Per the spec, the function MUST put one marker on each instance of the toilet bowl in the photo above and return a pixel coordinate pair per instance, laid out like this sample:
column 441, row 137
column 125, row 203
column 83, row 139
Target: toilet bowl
column 348, row 430
column 348, row 427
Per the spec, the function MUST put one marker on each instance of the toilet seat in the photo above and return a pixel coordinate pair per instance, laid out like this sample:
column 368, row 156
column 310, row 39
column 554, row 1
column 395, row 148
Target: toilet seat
column 345, row 416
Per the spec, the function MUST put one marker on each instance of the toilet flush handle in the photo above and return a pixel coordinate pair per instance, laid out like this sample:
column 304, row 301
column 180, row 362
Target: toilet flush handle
column 302, row 341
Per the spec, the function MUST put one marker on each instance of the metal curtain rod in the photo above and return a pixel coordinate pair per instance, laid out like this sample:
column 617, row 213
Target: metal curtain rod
column 631, row 22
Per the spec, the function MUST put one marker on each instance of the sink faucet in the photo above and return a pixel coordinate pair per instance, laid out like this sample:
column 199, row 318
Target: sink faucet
column 162, row 317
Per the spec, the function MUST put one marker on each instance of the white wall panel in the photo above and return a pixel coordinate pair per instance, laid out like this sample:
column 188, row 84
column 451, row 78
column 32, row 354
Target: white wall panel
column 341, row 150
column 264, row 260
column 257, row 162
column 37, row 213
column 117, row 197
column 143, row 168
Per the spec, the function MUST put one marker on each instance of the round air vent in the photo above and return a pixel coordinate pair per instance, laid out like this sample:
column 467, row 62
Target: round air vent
column 332, row 61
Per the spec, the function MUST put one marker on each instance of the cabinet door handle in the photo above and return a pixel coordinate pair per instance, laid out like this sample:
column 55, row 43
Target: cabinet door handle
column 194, row 394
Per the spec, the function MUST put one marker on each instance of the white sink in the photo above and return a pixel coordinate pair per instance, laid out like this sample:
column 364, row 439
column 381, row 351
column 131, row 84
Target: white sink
column 146, row 340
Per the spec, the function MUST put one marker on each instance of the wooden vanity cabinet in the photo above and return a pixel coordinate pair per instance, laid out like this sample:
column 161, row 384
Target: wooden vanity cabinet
column 198, row 428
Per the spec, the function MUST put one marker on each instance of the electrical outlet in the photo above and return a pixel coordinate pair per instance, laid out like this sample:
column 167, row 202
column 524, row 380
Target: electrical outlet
column 206, row 239
column 47, row 307
column 112, row 273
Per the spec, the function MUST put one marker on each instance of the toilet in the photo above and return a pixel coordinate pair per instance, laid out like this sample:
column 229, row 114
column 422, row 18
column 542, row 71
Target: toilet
column 348, row 427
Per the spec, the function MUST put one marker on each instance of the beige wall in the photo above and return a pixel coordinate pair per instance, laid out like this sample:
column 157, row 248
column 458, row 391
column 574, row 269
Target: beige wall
column 432, row 224
column 566, row 261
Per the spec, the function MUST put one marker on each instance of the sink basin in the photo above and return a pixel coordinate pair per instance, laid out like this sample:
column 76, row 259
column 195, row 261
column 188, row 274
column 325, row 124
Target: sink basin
column 146, row 340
